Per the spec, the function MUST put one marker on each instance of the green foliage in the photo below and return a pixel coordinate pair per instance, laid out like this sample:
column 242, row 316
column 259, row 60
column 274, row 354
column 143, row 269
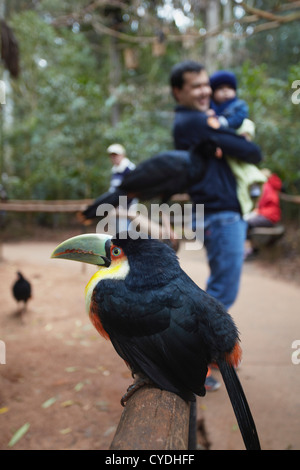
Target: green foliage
column 65, row 99
column 276, row 118
column 62, row 115
column 56, row 140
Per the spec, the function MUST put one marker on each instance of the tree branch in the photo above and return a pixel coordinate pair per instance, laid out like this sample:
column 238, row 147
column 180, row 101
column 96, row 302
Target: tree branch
column 255, row 14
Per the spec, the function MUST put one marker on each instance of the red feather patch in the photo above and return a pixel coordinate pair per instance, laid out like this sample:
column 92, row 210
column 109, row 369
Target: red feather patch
column 95, row 319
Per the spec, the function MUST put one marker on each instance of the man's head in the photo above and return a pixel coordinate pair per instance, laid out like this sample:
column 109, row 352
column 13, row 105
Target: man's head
column 190, row 85
column 116, row 152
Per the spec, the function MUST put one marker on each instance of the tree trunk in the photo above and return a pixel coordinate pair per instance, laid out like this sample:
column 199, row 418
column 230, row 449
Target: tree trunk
column 212, row 20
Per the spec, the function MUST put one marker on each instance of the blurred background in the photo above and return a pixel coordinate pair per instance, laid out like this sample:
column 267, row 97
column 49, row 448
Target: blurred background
column 77, row 76
column 92, row 73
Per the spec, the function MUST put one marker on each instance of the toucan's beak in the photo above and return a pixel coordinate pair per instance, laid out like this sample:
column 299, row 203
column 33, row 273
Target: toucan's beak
column 92, row 248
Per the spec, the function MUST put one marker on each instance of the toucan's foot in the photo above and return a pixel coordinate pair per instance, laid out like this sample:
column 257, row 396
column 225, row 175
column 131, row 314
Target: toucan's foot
column 139, row 382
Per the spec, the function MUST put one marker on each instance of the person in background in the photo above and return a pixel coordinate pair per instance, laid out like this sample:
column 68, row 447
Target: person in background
column 268, row 211
column 121, row 165
column 224, row 227
column 231, row 110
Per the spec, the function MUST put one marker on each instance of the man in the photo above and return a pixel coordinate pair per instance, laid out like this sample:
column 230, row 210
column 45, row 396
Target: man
column 224, row 227
column 225, row 230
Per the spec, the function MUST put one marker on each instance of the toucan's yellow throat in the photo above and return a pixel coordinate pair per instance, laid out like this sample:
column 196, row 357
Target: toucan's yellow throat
column 97, row 249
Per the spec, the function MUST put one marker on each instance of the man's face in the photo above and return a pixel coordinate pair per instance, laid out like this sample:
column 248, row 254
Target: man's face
column 116, row 158
column 196, row 91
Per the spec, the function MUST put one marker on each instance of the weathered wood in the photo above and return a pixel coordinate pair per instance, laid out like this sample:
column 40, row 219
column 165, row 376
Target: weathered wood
column 153, row 419
column 44, row 206
column 290, row 198
column 264, row 236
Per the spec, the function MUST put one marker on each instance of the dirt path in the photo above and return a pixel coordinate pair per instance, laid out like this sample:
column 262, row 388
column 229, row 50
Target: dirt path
column 66, row 381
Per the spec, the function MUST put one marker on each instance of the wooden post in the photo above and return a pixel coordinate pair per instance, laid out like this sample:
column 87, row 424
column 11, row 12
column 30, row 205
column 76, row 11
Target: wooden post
column 153, row 419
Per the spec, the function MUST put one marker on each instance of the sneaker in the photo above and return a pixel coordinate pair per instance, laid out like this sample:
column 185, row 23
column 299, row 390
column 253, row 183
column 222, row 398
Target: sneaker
column 211, row 384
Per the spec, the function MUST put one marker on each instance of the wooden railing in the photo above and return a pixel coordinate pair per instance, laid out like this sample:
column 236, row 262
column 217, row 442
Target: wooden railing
column 153, row 419
column 80, row 204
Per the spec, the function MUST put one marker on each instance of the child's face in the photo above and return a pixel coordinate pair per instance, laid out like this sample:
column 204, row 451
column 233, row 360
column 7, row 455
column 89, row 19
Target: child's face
column 223, row 93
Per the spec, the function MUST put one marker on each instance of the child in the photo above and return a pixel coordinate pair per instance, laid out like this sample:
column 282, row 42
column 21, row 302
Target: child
column 230, row 110
column 232, row 113
column 247, row 175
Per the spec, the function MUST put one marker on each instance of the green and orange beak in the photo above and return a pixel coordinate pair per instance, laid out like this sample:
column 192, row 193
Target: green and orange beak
column 91, row 248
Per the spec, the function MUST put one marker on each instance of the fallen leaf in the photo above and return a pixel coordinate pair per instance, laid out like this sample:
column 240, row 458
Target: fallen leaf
column 67, row 403
column 3, row 410
column 110, row 430
column 49, row 402
column 71, row 369
column 65, row 431
column 19, row 434
column 78, row 386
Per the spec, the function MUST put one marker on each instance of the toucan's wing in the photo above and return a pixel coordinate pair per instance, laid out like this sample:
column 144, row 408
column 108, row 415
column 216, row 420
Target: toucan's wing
column 161, row 170
column 153, row 332
column 109, row 198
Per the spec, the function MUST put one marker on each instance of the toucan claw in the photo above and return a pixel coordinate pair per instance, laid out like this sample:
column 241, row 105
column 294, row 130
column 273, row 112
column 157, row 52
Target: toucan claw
column 139, row 382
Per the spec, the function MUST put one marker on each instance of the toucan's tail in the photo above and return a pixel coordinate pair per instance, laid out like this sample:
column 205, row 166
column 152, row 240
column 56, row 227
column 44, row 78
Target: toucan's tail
column 240, row 405
column 111, row 198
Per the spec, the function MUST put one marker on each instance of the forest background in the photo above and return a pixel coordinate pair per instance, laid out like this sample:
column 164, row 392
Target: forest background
column 96, row 72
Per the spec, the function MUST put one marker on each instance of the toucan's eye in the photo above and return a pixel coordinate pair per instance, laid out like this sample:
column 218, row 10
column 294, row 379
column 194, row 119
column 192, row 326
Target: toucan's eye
column 116, row 251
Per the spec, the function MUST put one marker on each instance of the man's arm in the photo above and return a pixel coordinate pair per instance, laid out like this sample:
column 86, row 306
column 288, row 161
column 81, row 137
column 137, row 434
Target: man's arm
column 237, row 146
column 196, row 127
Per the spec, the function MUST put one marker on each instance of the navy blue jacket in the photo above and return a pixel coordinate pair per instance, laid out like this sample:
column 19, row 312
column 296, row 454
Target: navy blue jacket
column 234, row 111
column 217, row 189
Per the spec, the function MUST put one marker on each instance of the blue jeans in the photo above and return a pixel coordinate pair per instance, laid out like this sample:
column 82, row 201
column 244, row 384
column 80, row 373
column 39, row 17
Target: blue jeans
column 224, row 238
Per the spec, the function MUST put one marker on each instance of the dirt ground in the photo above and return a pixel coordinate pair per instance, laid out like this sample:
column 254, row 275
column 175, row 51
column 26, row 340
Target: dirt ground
column 65, row 382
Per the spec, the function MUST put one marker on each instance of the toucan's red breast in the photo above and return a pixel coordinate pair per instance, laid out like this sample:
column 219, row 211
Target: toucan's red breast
column 95, row 319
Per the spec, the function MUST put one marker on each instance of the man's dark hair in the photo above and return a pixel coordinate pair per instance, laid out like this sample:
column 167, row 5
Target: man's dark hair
column 178, row 71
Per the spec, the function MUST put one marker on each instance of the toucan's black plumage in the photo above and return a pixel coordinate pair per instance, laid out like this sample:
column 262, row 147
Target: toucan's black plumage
column 160, row 176
column 21, row 289
column 175, row 171
column 159, row 321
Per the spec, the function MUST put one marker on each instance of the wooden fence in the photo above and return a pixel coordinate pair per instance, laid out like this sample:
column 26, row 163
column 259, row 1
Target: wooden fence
column 15, row 205
column 153, row 419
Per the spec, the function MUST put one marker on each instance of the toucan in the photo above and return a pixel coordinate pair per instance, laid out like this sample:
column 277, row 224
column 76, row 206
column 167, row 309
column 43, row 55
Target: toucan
column 165, row 327
column 175, row 171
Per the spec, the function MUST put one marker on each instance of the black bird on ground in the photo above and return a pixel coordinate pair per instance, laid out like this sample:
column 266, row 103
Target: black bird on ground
column 22, row 289
column 165, row 327
column 175, row 171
